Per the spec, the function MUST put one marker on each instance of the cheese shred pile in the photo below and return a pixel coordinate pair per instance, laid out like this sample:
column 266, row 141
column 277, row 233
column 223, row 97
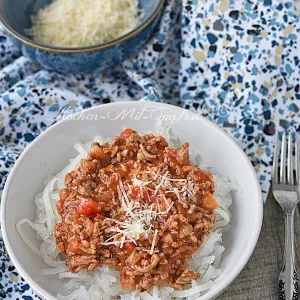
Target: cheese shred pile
column 82, row 23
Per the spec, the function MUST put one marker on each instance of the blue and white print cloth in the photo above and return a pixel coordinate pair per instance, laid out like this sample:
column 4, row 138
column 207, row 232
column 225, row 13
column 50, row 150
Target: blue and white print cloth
column 237, row 61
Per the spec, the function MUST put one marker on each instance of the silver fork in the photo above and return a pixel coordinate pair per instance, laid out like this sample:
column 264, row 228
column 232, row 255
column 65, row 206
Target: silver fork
column 285, row 187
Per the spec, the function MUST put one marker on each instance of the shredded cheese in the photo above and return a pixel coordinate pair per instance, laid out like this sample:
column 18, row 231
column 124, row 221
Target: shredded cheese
column 139, row 216
column 81, row 23
column 138, row 220
column 153, row 242
column 162, row 182
column 139, row 183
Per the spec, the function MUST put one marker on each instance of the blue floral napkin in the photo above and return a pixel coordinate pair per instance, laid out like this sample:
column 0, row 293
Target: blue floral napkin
column 236, row 61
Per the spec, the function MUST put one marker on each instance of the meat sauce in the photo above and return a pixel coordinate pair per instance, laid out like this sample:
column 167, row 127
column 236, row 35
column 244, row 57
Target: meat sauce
column 139, row 206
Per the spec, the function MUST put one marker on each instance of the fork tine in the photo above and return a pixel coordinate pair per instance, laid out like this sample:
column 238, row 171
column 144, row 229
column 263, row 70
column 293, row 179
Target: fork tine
column 283, row 160
column 297, row 158
column 276, row 159
column 290, row 167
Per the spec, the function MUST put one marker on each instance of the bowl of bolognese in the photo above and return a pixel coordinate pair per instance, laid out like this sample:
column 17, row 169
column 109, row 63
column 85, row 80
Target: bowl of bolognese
column 131, row 200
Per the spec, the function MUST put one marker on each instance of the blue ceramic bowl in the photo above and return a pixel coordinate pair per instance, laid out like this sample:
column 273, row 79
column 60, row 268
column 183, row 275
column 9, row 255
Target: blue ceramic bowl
column 15, row 16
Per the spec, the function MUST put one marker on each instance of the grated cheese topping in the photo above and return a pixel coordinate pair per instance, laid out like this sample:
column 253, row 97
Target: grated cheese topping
column 139, row 219
column 82, row 23
column 153, row 242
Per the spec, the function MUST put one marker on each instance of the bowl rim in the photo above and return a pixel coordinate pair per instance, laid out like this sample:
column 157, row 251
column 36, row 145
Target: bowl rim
column 210, row 294
column 123, row 38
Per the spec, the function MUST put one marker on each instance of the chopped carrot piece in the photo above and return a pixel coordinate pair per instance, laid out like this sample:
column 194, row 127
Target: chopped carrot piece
column 88, row 207
column 209, row 202
column 129, row 247
column 125, row 134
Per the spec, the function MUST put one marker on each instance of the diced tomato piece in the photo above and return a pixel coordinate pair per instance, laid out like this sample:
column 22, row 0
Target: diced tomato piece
column 88, row 207
column 129, row 247
column 209, row 202
column 135, row 191
column 100, row 217
column 126, row 133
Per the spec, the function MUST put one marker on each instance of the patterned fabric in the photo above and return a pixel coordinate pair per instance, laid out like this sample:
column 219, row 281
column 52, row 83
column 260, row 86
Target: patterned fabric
column 235, row 61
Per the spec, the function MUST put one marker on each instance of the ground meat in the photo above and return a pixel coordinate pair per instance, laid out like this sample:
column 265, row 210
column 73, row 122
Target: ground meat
column 170, row 198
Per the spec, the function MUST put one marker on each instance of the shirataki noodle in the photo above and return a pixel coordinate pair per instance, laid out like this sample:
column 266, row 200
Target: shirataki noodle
column 133, row 231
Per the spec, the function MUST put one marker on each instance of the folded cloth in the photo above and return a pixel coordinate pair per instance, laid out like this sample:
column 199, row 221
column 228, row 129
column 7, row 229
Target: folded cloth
column 235, row 61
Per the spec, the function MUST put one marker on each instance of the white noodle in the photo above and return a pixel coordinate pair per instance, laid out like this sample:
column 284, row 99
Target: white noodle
column 103, row 283
column 24, row 237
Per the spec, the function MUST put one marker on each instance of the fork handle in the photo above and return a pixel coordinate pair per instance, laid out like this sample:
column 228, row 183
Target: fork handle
column 288, row 283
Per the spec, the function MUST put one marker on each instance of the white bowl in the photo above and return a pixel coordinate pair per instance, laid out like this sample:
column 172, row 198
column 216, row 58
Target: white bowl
column 52, row 150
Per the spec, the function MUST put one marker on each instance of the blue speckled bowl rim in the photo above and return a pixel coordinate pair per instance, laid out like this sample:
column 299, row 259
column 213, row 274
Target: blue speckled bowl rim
column 116, row 41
